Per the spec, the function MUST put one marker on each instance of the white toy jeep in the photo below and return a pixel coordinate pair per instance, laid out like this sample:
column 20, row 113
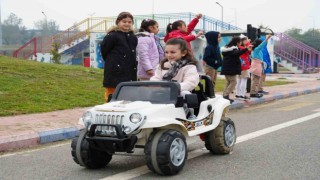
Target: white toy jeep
column 150, row 115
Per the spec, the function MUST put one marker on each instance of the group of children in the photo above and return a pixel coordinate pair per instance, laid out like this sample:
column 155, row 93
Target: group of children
column 131, row 57
column 240, row 59
column 238, row 55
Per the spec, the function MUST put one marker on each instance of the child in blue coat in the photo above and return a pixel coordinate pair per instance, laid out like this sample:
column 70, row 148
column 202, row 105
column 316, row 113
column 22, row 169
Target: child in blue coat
column 212, row 55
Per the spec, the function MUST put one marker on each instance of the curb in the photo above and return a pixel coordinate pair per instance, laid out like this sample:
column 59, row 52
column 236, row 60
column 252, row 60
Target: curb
column 57, row 135
column 240, row 104
column 37, row 138
column 317, row 76
column 43, row 137
column 19, row 141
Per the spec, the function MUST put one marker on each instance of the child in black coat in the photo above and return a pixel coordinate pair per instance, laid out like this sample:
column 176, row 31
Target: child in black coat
column 118, row 50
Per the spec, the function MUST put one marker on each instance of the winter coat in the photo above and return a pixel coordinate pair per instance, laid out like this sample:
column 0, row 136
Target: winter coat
column 231, row 62
column 257, row 51
column 187, row 76
column 148, row 53
column 212, row 54
column 245, row 58
column 186, row 36
column 118, row 50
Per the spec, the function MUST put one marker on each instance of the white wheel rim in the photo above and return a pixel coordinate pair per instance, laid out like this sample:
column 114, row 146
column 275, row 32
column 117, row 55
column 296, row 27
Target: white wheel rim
column 229, row 134
column 177, row 151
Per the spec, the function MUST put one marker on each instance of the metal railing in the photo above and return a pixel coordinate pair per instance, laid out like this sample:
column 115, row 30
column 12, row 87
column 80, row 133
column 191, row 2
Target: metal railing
column 82, row 30
column 303, row 56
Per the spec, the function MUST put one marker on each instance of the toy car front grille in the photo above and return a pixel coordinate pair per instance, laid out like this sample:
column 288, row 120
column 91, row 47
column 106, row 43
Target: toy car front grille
column 108, row 119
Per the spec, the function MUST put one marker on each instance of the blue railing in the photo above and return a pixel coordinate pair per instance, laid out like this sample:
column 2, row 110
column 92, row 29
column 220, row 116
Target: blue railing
column 206, row 23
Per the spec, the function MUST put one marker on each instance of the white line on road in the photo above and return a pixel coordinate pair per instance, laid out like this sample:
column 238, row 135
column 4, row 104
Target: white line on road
column 136, row 172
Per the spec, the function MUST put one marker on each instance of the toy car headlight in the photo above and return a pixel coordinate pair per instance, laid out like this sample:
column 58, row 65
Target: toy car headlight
column 135, row 118
column 87, row 117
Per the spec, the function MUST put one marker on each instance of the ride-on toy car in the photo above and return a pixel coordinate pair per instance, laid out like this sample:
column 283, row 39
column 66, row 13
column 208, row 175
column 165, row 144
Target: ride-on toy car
column 151, row 115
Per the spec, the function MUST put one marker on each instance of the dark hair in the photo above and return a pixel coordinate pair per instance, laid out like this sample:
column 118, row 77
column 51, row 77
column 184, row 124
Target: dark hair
column 256, row 43
column 174, row 25
column 241, row 41
column 183, row 47
column 146, row 23
column 124, row 15
column 234, row 41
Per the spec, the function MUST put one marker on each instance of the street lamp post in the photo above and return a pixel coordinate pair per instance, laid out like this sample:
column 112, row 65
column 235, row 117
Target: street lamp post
column 44, row 15
column 45, row 19
column 152, row 9
column 221, row 13
column 235, row 15
column 91, row 19
column 312, row 25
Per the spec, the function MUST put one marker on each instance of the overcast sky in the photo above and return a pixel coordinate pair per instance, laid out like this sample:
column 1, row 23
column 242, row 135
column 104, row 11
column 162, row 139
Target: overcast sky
column 277, row 14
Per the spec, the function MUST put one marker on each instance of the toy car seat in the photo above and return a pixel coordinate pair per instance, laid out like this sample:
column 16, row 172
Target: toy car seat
column 204, row 90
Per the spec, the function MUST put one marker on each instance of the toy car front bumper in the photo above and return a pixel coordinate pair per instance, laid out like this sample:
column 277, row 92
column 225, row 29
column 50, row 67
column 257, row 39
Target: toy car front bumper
column 111, row 144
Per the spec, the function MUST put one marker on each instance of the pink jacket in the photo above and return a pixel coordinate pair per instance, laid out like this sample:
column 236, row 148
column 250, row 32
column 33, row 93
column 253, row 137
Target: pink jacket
column 148, row 54
column 187, row 76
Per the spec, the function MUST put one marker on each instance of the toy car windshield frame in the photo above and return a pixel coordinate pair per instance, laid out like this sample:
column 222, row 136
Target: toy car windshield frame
column 156, row 92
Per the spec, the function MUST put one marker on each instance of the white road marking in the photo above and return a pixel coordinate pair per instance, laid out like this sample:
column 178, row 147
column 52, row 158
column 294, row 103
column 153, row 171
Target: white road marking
column 136, row 172
column 276, row 127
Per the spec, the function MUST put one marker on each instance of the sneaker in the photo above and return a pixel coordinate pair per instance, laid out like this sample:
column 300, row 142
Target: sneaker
column 245, row 97
column 256, row 95
column 263, row 92
column 238, row 96
column 227, row 97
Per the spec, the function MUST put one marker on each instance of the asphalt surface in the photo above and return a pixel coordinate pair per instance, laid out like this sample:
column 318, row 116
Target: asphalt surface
column 289, row 153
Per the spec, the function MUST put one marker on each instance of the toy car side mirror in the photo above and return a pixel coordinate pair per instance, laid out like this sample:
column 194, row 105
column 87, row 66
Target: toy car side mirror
column 192, row 100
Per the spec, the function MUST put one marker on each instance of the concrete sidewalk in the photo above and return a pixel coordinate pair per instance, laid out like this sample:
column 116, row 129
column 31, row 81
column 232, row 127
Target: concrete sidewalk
column 29, row 130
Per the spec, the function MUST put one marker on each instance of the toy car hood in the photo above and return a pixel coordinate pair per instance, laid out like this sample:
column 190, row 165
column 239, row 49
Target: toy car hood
column 122, row 106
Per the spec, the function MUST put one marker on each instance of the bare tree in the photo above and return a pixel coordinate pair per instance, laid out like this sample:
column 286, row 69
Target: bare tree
column 48, row 28
column 13, row 30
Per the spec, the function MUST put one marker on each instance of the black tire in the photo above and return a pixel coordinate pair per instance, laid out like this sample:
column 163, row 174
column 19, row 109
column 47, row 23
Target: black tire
column 157, row 151
column 86, row 156
column 222, row 139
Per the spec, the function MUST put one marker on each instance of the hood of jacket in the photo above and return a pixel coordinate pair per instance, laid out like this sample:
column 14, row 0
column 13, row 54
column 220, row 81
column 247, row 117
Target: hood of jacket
column 212, row 37
column 116, row 28
column 227, row 49
column 143, row 34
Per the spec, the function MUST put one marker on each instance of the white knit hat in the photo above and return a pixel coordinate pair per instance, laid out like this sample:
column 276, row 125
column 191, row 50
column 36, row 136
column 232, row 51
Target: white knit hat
column 242, row 36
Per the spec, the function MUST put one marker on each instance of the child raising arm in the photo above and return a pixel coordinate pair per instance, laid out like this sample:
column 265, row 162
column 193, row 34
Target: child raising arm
column 179, row 29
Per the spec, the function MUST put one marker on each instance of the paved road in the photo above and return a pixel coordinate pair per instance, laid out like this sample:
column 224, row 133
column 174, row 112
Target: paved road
column 288, row 153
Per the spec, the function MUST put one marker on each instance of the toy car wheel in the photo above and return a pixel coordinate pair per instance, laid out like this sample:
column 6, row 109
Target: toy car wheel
column 166, row 152
column 222, row 139
column 86, row 156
